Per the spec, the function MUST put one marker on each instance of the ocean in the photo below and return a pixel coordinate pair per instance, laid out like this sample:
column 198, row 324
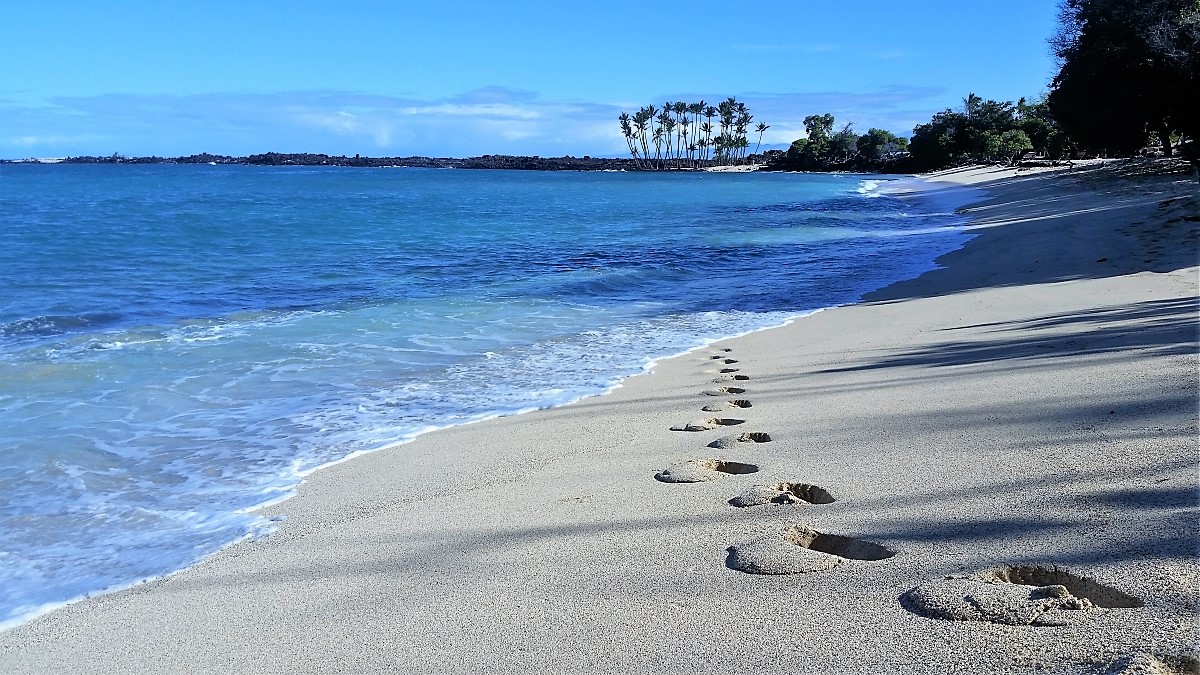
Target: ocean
column 182, row 344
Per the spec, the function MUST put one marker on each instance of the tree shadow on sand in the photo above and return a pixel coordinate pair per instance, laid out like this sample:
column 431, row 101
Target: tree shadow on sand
column 1060, row 226
column 1163, row 327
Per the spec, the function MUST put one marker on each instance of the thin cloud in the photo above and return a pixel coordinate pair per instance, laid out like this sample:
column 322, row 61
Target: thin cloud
column 493, row 120
column 494, row 95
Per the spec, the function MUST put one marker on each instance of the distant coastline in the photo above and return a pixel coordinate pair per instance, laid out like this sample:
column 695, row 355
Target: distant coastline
column 567, row 163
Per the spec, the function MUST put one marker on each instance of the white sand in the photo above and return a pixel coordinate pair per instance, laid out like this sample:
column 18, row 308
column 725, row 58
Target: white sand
column 1027, row 405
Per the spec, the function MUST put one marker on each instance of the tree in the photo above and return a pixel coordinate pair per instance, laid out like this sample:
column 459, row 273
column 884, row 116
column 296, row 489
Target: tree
column 818, row 127
column 1013, row 144
column 843, row 145
column 940, row 142
column 879, row 144
column 674, row 137
column 1124, row 69
column 971, row 134
column 627, row 132
column 761, row 128
column 1044, row 132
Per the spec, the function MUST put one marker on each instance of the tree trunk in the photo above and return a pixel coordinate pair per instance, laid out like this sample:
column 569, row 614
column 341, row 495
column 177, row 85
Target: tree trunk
column 1164, row 136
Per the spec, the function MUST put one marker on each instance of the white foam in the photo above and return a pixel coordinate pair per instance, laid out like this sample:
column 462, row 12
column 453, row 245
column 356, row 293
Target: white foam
column 870, row 188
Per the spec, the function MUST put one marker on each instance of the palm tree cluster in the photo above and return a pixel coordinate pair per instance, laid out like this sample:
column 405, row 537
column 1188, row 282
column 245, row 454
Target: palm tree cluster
column 682, row 135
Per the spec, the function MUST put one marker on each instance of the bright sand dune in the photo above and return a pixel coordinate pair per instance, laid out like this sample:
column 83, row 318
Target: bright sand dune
column 1032, row 405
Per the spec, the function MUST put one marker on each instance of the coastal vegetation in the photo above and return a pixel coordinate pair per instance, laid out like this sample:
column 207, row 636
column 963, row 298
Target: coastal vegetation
column 823, row 149
column 682, row 135
column 1124, row 72
column 987, row 131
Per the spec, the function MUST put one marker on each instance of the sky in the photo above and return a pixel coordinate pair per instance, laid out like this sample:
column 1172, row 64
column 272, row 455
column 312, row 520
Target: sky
column 458, row 78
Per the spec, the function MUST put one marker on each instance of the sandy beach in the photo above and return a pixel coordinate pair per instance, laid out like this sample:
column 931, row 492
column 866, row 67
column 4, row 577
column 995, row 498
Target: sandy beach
column 990, row 468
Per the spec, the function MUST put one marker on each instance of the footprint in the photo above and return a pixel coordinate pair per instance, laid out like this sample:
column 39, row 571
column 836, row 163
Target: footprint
column 726, row 378
column 729, row 370
column 700, row 470
column 727, row 442
column 1025, row 595
column 730, row 362
column 1160, row 664
column 707, row 425
column 718, row 407
column 783, row 493
column 799, row 549
column 722, row 391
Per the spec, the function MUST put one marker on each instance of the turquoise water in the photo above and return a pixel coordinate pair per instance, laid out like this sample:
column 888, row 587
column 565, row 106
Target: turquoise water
column 180, row 344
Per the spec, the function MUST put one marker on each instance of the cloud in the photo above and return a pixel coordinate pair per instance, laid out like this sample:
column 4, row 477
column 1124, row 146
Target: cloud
column 492, row 120
column 495, row 95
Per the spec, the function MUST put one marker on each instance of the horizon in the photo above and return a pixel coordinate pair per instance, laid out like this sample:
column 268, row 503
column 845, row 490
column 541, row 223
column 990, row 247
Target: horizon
column 470, row 79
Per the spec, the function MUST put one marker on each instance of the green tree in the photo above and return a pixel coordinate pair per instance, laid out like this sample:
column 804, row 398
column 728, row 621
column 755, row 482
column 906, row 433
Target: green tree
column 818, row 129
column 1044, row 132
column 843, row 145
column 761, row 129
column 675, row 137
column 955, row 137
column 878, row 144
column 1013, row 144
column 1125, row 68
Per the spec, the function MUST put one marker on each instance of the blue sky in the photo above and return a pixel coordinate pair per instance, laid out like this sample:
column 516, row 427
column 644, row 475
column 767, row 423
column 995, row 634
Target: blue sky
column 458, row 78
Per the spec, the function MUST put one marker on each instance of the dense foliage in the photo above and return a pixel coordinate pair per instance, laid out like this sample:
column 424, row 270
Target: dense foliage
column 987, row 131
column 1129, row 69
column 824, row 149
column 682, row 135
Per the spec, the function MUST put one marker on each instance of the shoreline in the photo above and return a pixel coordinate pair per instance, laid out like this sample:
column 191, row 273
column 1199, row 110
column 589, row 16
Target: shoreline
column 388, row 543
column 278, row 496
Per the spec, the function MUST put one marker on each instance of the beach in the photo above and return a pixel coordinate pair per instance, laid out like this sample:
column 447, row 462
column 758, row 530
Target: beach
column 1026, row 413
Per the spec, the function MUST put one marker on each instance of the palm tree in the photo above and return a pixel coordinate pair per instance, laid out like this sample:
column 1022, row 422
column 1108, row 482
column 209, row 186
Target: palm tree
column 741, row 126
column 667, row 124
column 680, row 109
column 683, row 135
column 643, row 122
column 630, row 136
column 709, row 113
column 742, row 144
column 760, row 129
column 706, row 144
column 696, row 110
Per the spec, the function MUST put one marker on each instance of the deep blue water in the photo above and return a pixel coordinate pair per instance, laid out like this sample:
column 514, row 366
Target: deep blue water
column 180, row 344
